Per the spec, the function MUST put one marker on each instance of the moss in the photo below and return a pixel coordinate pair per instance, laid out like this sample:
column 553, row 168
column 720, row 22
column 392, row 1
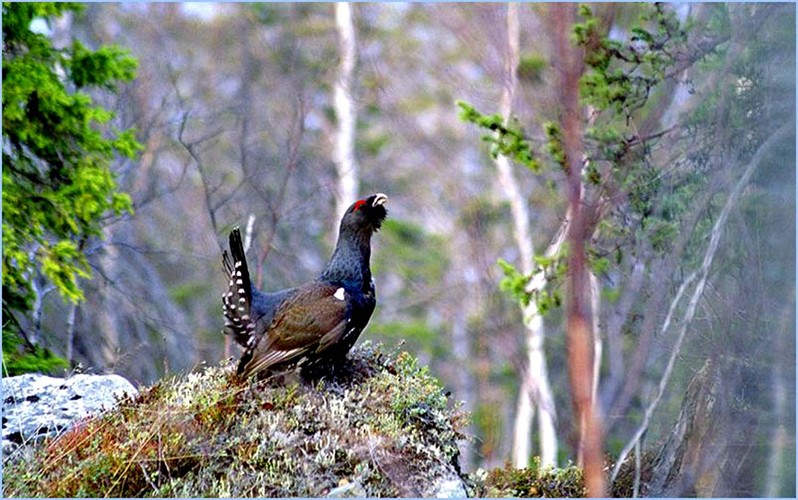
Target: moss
column 531, row 482
column 378, row 419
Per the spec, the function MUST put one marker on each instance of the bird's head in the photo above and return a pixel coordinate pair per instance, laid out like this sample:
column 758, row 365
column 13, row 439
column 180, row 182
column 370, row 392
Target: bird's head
column 366, row 214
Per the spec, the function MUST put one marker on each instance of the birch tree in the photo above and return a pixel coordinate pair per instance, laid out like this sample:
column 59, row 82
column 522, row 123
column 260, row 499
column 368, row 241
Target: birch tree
column 534, row 382
column 586, row 143
column 345, row 111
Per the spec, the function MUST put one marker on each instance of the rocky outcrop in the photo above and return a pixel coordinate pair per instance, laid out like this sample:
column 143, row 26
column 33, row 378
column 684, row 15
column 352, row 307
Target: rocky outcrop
column 36, row 407
column 378, row 425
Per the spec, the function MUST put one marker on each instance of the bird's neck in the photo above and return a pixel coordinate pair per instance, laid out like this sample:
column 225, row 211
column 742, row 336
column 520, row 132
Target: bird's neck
column 350, row 260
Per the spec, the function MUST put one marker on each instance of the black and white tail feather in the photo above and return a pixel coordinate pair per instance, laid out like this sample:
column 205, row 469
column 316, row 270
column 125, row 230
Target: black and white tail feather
column 238, row 298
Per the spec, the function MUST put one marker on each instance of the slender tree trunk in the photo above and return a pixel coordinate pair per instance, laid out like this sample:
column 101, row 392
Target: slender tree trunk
column 579, row 338
column 595, row 310
column 106, row 314
column 70, row 343
column 39, row 289
column 345, row 112
column 534, row 386
column 463, row 352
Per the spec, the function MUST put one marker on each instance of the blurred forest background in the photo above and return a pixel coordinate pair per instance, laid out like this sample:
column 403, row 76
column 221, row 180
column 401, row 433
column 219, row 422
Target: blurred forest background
column 275, row 116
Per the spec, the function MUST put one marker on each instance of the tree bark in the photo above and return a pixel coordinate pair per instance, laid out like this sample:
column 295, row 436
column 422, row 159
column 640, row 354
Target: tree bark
column 70, row 342
column 345, row 112
column 579, row 337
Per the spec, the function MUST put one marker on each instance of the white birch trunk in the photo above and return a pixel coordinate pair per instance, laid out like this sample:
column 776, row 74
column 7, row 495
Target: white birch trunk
column 70, row 343
column 534, row 379
column 595, row 301
column 344, row 155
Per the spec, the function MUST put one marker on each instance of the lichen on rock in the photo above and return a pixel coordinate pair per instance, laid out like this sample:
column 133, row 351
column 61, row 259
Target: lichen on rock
column 36, row 407
column 379, row 421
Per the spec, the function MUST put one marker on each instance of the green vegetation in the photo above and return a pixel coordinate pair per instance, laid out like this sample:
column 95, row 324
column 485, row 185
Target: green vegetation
column 419, row 259
column 533, row 482
column 506, row 139
column 531, row 68
column 18, row 358
column 380, row 420
column 57, row 182
column 618, row 83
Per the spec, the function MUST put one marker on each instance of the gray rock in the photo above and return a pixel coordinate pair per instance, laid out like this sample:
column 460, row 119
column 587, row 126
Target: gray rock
column 448, row 487
column 349, row 490
column 36, row 407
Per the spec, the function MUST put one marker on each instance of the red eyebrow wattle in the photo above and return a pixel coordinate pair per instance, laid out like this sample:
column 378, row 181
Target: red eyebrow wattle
column 359, row 204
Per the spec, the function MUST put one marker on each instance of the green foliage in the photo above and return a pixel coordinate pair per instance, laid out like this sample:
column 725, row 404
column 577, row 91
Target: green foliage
column 186, row 293
column 516, row 284
column 662, row 234
column 506, row 139
column 57, row 184
column 488, row 424
column 618, row 82
column 419, row 259
column 555, row 146
column 19, row 359
column 621, row 76
column 209, row 434
column 530, row 68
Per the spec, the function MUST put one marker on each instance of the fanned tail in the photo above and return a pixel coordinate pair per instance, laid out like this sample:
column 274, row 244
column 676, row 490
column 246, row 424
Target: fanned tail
column 238, row 297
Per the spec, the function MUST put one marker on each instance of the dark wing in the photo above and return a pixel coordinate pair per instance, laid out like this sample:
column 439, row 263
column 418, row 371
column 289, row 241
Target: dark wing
column 311, row 320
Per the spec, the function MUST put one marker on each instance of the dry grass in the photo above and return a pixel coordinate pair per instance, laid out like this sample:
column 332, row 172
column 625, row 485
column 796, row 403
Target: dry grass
column 380, row 420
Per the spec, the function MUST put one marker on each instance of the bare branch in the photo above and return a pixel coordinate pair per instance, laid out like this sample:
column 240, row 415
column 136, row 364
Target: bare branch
column 701, row 274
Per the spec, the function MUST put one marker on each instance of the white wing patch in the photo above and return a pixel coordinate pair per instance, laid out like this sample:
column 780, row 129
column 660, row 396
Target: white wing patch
column 339, row 294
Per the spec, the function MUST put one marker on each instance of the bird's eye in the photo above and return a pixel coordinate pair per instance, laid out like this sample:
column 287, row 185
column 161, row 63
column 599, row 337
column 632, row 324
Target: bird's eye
column 358, row 205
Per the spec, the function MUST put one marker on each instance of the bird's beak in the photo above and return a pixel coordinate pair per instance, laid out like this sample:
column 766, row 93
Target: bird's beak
column 380, row 199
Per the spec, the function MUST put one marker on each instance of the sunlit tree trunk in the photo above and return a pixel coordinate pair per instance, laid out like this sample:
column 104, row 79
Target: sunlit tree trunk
column 579, row 339
column 345, row 163
column 70, row 342
column 534, row 387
